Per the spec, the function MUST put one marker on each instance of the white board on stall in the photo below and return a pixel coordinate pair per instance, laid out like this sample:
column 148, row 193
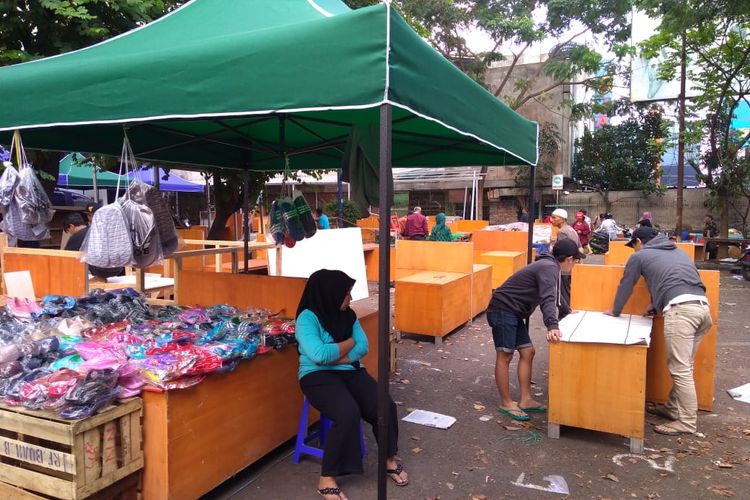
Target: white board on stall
column 339, row 249
column 597, row 327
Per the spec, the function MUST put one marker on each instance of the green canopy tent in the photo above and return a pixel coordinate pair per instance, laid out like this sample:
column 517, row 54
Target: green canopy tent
column 270, row 85
column 74, row 171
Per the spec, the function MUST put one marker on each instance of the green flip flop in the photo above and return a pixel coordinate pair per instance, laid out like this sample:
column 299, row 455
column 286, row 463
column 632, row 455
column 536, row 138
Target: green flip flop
column 515, row 414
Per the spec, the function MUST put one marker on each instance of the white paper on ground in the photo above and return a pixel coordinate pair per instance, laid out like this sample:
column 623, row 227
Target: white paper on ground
column 741, row 393
column 339, row 249
column 557, row 484
column 430, row 419
column 597, row 327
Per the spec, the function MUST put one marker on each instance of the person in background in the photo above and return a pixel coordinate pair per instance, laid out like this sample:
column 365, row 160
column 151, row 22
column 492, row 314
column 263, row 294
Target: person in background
column 609, row 226
column 582, row 229
column 74, row 225
column 440, row 232
column 710, row 230
column 559, row 219
column 646, row 220
column 548, row 219
column 331, row 343
column 512, row 303
column 524, row 217
column 416, row 225
column 90, row 209
column 322, row 219
column 678, row 293
column 587, row 218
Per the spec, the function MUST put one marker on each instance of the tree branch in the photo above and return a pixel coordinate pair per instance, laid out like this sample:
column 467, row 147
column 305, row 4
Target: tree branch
column 516, row 57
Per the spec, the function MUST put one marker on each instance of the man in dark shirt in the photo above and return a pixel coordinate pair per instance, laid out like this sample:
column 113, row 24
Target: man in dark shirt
column 77, row 229
column 538, row 284
column 416, row 225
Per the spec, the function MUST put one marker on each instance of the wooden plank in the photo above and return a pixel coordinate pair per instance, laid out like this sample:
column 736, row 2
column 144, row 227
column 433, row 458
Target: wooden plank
column 10, row 492
column 241, row 290
column 372, row 263
column 156, row 478
column 37, row 455
column 92, row 487
column 450, row 257
column 109, row 448
column 48, row 252
column 481, row 288
column 41, row 428
column 35, row 481
column 123, row 424
column 252, row 245
column 126, row 406
column 92, row 453
column 599, row 387
column 619, row 254
column 504, row 263
column 202, row 252
column 486, row 241
column 136, row 433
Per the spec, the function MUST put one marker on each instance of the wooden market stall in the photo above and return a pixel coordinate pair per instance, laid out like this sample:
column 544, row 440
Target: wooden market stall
column 433, row 281
column 227, row 422
column 604, row 386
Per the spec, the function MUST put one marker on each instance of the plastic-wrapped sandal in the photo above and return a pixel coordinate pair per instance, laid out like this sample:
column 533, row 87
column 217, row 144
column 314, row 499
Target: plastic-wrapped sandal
column 276, row 225
column 291, row 219
column 305, row 216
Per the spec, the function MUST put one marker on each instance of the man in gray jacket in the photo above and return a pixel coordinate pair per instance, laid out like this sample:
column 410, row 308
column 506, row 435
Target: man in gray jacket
column 677, row 292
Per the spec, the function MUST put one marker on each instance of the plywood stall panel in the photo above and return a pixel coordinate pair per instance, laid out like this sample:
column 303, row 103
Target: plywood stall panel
column 658, row 381
column 372, row 261
column 481, row 288
column 593, row 288
column 619, row 254
column 504, row 263
column 586, row 391
column 432, row 303
column 487, row 241
column 416, row 256
column 197, row 438
column 58, row 272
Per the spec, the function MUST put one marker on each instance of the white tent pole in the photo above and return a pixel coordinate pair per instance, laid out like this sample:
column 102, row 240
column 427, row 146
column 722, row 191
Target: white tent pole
column 466, row 193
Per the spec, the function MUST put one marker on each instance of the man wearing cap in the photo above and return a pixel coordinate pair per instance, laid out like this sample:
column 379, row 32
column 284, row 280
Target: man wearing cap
column 538, row 284
column 559, row 219
column 677, row 292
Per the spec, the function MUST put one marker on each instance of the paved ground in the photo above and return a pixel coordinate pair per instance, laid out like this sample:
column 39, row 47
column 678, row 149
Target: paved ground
column 481, row 458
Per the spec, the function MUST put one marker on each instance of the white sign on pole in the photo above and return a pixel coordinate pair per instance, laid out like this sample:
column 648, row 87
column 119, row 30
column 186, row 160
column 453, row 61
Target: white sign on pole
column 557, row 182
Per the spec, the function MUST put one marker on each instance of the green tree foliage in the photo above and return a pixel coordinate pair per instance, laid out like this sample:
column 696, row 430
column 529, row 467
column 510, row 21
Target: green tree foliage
column 549, row 147
column 350, row 210
column 716, row 37
column 624, row 156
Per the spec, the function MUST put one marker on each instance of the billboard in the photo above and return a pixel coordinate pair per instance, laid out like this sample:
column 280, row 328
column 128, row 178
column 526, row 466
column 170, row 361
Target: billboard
column 645, row 84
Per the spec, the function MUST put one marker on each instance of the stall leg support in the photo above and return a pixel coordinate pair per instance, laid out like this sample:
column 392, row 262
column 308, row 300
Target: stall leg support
column 438, row 341
column 553, row 430
column 636, row 446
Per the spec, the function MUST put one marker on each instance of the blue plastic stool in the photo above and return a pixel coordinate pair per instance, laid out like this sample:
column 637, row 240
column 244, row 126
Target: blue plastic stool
column 301, row 446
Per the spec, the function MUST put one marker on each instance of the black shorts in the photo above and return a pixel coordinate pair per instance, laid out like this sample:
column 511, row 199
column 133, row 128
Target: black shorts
column 509, row 332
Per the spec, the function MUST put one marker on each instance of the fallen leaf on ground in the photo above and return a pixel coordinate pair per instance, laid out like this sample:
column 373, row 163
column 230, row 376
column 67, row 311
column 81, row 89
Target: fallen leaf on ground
column 416, row 450
column 478, row 497
column 579, row 476
column 725, row 465
column 513, row 428
column 416, row 438
column 450, row 486
column 479, row 407
column 405, row 381
column 721, row 490
column 611, row 477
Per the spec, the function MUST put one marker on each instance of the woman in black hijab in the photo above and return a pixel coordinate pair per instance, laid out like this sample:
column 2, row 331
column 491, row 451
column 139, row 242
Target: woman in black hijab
column 331, row 343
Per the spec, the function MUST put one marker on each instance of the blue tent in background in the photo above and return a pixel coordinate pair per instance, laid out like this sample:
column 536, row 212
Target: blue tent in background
column 167, row 181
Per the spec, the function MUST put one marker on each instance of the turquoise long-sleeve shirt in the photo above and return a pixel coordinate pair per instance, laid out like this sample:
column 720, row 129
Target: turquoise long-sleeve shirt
column 318, row 350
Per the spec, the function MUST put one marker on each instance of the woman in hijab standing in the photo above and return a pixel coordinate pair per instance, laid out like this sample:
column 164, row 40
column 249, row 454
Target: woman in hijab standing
column 440, row 232
column 331, row 343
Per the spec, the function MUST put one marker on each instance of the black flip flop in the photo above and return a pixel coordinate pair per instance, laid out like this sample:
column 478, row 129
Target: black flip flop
column 395, row 475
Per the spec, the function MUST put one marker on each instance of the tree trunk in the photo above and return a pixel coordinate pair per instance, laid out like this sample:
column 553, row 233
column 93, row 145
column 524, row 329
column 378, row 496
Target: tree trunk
column 723, row 230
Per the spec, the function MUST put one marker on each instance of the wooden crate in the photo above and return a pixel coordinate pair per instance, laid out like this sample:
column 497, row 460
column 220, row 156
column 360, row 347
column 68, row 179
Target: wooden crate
column 69, row 459
column 504, row 263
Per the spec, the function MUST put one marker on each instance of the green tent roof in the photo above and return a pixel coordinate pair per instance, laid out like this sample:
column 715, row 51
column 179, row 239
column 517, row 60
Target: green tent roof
column 74, row 172
column 246, row 83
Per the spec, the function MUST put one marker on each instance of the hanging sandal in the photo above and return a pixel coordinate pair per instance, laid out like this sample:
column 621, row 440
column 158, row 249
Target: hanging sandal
column 324, row 492
column 395, row 475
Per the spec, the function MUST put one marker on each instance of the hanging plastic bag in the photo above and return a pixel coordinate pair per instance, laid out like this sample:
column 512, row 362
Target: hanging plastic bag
column 277, row 228
column 33, row 202
column 305, row 216
column 152, row 198
column 107, row 243
column 8, row 182
column 147, row 249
